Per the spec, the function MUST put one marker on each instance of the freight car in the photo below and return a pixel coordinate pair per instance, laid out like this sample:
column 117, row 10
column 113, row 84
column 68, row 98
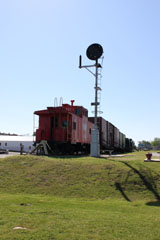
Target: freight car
column 107, row 133
column 122, row 142
column 129, row 145
column 110, row 136
column 67, row 129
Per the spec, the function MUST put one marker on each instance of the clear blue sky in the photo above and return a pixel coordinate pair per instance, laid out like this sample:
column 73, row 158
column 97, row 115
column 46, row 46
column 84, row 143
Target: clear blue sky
column 40, row 43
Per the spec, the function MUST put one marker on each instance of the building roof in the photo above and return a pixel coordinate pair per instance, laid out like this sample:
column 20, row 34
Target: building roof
column 7, row 138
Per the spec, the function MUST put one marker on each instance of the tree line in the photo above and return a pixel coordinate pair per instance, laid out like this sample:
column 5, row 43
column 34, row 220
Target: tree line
column 155, row 144
column 8, row 134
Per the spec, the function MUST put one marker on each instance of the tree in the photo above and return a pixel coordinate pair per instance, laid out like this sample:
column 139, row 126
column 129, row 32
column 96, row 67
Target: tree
column 156, row 142
column 144, row 142
column 144, row 145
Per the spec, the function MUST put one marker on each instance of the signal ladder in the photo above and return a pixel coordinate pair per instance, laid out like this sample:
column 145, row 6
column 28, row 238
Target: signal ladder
column 99, row 112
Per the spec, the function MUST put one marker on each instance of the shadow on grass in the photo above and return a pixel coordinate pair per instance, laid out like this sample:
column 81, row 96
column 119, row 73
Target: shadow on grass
column 68, row 156
column 153, row 204
column 150, row 186
column 118, row 187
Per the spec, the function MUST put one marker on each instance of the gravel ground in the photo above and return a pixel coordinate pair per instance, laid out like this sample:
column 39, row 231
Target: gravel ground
column 156, row 154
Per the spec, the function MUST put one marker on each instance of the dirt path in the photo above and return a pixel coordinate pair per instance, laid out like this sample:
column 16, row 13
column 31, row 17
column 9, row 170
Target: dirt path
column 3, row 155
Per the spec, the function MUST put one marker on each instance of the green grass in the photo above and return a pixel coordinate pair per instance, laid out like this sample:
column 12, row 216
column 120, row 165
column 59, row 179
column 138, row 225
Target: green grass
column 84, row 177
column 47, row 217
column 79, row 198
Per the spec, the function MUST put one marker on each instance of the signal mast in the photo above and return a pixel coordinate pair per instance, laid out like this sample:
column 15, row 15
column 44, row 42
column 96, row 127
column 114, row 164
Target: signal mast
column 94, row 52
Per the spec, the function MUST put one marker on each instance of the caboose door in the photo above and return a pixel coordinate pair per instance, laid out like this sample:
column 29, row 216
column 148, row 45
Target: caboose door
column 51, row 128
column 69, row 128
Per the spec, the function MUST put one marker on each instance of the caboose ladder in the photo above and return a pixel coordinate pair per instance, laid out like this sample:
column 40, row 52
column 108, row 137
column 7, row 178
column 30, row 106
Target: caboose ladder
column 43, row 145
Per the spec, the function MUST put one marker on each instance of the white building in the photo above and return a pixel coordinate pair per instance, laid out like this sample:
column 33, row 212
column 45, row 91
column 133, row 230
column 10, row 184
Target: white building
column 13, row 143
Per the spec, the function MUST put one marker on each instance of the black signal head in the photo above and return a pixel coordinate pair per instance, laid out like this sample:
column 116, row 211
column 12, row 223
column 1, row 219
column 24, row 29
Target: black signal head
column 94, row 51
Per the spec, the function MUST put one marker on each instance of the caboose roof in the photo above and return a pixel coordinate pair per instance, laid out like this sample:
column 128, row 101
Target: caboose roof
column 65, row 108
column 50, row 110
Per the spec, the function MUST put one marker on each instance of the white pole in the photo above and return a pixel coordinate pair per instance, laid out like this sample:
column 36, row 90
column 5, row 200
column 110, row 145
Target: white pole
column 95, row 148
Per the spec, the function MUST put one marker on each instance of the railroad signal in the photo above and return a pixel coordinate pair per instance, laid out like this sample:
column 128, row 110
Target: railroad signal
column 94, row 52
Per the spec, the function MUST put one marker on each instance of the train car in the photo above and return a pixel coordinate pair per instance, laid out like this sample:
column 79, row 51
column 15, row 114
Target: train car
column 129, row 145
column 65, row 128
column 108, row 134
column 103, row 132
column 116, row 138
column 122, row 142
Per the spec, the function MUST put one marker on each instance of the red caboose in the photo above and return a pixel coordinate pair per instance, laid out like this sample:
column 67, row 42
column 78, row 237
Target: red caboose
column 65, row 128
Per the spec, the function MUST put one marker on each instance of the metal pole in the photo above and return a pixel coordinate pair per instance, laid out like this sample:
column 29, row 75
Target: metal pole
column 95, row 148
column 96, row 103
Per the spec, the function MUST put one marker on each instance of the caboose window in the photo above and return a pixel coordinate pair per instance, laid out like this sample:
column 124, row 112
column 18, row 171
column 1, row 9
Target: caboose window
column 78, row 111
column 64, row 124
column 74, row 125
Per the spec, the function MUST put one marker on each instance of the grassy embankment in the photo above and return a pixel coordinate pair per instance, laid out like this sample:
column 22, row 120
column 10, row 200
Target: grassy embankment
column 79, row 198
